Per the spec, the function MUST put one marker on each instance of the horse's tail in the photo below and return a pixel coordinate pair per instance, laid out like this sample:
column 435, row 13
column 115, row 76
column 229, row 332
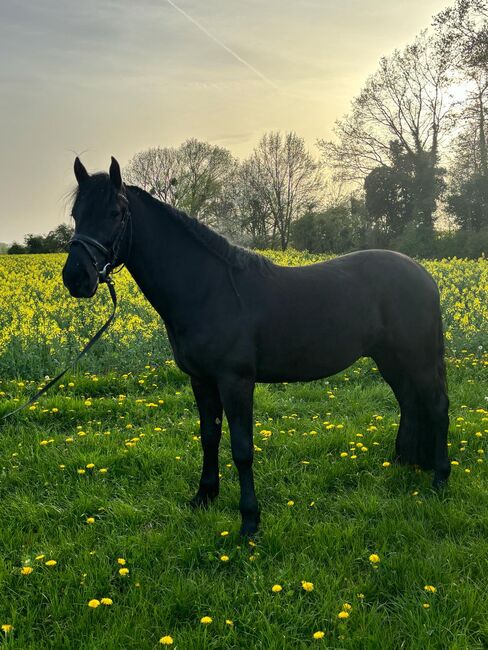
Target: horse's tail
column 441, row 351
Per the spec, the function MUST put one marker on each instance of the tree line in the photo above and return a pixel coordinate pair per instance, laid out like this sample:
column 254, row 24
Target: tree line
column 407, row 167
column 56, row 241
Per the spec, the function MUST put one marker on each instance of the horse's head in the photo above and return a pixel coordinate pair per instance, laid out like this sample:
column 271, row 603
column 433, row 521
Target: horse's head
column 100, row 211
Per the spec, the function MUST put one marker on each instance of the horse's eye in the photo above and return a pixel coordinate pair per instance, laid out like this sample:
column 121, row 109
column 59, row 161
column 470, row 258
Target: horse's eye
column 114, row 213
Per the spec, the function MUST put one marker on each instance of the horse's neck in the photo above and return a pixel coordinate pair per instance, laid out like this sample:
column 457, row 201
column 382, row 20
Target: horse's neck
column 174, row 271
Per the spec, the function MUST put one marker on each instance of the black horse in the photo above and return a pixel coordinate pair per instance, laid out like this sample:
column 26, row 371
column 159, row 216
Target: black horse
column 234, row 318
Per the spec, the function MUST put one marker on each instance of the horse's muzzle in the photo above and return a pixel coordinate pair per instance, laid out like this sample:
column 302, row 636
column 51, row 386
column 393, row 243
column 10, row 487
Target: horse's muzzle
column 80, row 291
column 81, row 280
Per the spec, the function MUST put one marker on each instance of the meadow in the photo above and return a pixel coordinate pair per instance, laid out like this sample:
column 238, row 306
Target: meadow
column 98, row 548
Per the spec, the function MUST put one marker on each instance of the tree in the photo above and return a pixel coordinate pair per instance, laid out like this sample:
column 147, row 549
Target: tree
column 389, row 195
column 16, row 249
column 35, row 244
column 254, row 215
column 192, row 177
column 57, row 240
column 338, row 229
column 469, row 204
column 463, row 28
column 405, row 101
column 281, row 181
column 155, row 170
column 205, row 170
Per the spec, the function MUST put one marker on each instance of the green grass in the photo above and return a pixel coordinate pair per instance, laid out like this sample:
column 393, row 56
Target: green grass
column 173, row 553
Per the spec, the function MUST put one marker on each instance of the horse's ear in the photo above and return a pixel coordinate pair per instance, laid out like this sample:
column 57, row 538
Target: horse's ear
column 80, row 172
column 115, row 175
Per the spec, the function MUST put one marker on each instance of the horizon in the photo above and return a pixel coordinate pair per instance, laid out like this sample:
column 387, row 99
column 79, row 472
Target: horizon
column 113, row 78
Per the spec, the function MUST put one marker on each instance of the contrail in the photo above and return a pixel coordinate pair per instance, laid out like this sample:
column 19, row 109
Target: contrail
column 223, row 45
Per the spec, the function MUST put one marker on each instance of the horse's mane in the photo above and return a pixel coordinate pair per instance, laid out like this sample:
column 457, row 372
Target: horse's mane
column 235, row 256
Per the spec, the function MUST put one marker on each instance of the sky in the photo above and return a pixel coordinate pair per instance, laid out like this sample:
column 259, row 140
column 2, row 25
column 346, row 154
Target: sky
column 114, row 77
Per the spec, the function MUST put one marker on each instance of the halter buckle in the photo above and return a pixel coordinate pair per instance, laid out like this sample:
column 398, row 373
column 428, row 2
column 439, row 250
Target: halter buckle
column 104, row 273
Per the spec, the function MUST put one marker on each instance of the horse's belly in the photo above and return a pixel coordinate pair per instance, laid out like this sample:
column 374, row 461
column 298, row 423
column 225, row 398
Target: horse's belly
column 302, row 371
column 305, row 349
column 311, row 360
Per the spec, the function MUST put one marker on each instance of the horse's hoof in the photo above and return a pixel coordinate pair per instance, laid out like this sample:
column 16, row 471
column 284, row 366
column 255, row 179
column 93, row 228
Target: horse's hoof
column 249, row 528
column 439, row 484
column 202, row 500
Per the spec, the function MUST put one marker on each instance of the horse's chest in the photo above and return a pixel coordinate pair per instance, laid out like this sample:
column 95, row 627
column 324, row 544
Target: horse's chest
column 194, row 354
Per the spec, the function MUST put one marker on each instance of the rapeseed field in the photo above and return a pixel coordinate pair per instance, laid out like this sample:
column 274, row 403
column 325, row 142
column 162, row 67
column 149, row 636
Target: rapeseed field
column 98, row 548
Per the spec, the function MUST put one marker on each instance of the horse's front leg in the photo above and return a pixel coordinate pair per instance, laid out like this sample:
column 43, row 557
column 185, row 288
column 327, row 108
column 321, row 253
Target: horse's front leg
column 237, row 398
column 210, row 409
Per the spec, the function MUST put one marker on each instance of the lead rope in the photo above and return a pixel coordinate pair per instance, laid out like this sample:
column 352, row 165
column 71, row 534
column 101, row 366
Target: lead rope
column 110, row 283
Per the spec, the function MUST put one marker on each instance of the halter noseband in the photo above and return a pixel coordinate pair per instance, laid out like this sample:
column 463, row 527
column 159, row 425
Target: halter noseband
column 111, row 255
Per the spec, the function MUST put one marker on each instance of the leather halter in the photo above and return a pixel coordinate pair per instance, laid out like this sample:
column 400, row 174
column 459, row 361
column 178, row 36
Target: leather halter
column 111, row 255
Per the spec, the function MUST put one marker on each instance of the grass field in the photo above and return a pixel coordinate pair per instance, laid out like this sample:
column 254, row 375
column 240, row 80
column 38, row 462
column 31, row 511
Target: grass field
column 97, row 478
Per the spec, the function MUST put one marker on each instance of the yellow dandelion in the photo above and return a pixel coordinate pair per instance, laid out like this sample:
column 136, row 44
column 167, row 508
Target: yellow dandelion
column 224, row 533
column 347, row 607
column 40, row 557
column 224, row 558
column 121, row 561
column 276, row 588
column 307, row 586
column 206, row 620
column 290, row 503
column 124, row 572
column 430, row 589
column 26, row 570
column 90, row 466
column 318, row 635
column 166, row 640
column 386, row 464
column 374, row 558
column 7, row 628
column 90, row 520
column 106, row 601
column 50, row 563
column 81, row 470
column 93, row 603
column 229, row 622
column 425, row 605
column 343, row 615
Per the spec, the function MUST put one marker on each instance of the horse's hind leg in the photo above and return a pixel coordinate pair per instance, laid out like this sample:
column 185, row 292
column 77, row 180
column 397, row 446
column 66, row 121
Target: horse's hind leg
column 420, row 389
column 396, row 375
column 435, row 404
